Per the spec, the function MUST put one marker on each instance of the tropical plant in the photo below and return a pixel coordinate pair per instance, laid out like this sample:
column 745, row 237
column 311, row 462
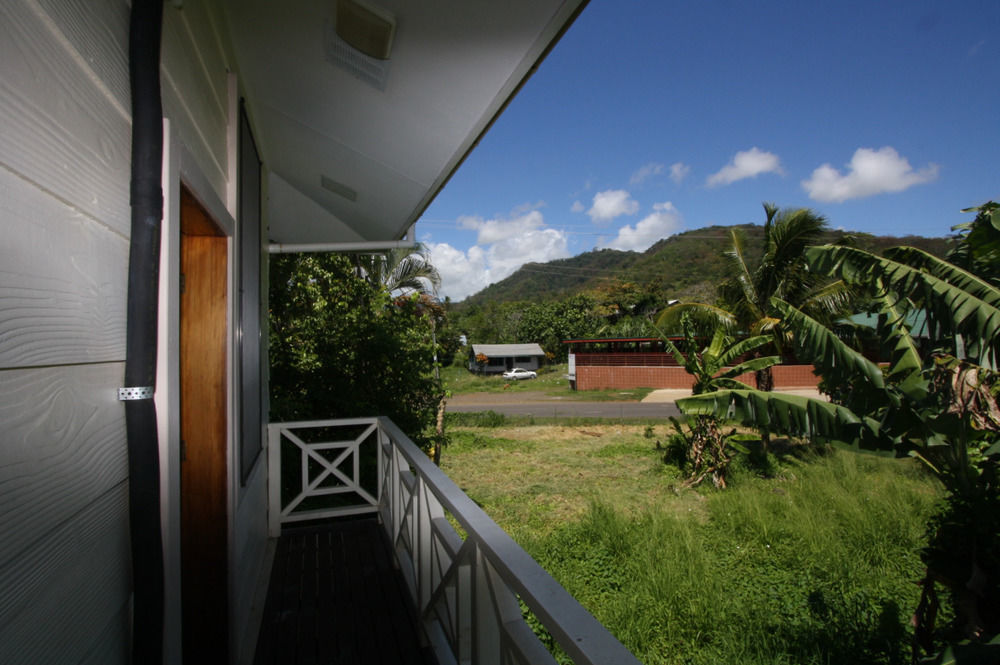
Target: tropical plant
column 936, row 400
column 706, row 450
column 400, row 271
column 745, row 303
column 977, row 246
column 715, row 366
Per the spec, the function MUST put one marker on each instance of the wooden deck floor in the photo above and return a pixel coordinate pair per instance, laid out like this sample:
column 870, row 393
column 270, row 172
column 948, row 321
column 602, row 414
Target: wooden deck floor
column 335, row 598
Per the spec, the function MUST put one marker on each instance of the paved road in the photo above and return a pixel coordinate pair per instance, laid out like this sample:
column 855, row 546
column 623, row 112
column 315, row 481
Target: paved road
column 572, row 409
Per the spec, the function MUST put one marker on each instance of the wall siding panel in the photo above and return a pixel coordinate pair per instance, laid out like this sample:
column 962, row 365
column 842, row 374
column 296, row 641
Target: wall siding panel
column 194, row 93
column 62, row 282
column 57, row 128
column 63, row 447
column 68, row 593
column 98, row 31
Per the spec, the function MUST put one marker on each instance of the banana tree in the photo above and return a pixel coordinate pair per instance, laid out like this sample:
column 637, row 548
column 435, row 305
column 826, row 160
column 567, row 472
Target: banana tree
column 715, row 366
column 939, row 406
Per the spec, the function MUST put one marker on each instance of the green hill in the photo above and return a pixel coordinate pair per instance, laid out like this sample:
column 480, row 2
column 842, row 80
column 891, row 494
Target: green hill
column 685, row 266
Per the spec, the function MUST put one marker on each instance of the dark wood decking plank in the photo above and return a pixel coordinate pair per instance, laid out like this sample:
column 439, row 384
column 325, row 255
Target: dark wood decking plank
column 335, row 597
column 402, row 617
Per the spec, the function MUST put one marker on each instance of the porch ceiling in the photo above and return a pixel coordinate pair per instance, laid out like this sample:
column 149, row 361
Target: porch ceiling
column 324, row 133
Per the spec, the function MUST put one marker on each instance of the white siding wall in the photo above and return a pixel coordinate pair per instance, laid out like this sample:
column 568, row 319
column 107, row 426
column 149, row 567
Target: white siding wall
column 64, row 218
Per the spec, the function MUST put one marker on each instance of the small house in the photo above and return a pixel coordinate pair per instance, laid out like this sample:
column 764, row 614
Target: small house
column 502, row 357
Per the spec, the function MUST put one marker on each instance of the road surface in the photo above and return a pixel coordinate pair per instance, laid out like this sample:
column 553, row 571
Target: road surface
column 540, row 405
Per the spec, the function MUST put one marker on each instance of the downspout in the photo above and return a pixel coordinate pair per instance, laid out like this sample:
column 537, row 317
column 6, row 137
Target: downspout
column 146, row 198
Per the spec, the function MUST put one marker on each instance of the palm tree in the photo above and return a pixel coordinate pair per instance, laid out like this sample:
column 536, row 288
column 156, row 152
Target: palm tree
column 745, row 297
column 401, row 271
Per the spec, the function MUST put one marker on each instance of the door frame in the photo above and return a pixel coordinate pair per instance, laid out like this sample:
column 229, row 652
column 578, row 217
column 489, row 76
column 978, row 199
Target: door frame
column 180, row 168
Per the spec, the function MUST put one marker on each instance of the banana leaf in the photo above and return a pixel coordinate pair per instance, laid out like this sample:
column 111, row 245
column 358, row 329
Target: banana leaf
column 793, row 415
column 950, row 307
column 834, row 359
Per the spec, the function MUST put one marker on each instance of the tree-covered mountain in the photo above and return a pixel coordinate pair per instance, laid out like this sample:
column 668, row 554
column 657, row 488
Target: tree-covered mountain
column 685, row 266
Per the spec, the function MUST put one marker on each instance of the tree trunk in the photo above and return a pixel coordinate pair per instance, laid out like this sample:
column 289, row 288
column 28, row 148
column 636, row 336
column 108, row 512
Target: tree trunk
column 765, row 382
column 439, row 431
column 765, row 379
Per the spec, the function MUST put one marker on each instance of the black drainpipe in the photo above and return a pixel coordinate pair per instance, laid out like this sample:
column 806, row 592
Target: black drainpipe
column 140, row 359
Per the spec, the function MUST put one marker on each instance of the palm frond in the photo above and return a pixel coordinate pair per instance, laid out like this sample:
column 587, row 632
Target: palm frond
column 742, row 273
column 705, row 317
column 792, row 232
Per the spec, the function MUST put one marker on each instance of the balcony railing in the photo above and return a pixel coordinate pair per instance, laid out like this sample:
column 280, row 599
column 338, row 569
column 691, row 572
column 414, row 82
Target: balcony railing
column 468, row 588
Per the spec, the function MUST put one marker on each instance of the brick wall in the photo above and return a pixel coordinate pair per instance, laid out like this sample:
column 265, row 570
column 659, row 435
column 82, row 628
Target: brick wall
column 617, row 378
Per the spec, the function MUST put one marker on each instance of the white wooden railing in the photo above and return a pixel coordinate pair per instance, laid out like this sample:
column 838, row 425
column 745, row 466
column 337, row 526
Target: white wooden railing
column 466, row 589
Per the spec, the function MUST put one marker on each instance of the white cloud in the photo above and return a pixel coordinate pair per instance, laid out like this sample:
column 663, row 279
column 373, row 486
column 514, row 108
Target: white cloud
column 869, row 172
column 577, row 207
column 679, row 171
column 503, row 246
column 645, row 172
column 664, row 221
column 498, row 230
column 612, row 203
column 746, row 164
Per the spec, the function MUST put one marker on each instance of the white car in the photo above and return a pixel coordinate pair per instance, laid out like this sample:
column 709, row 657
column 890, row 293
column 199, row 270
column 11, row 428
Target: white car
column 517, row 374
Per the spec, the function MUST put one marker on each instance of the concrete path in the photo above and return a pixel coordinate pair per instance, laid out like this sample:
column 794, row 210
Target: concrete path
column 672, row 395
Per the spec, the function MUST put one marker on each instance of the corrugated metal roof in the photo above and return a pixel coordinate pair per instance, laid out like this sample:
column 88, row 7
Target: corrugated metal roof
column 498, row 350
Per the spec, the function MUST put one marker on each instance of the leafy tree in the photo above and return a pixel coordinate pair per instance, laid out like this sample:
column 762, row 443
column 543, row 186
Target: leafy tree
column 548, row 324
column 935, row 400
column 449, row 336
column 343, row 347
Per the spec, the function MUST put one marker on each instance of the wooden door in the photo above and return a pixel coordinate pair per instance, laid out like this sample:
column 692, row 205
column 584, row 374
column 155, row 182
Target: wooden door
column 204, row 523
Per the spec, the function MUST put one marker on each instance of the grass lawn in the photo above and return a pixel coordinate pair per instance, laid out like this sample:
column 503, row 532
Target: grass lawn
column 551, row 380
column 813, row 561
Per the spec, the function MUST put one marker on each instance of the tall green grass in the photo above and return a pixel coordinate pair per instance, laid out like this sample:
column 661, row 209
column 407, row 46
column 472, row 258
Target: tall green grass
column 817, row 565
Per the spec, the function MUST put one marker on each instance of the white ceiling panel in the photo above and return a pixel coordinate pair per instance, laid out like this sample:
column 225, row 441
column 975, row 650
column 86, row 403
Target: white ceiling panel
column 454, row 65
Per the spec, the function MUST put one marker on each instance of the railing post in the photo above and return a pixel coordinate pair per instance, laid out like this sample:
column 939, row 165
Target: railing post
column 274, row 480
column 487, row 633
column 423, row 545
column 379, row 440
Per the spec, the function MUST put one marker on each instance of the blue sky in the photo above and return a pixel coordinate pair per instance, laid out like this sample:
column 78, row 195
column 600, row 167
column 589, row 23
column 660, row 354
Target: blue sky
column 652, row 117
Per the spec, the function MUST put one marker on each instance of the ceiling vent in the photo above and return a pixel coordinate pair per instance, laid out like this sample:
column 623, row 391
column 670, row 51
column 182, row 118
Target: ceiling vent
column 338, row 188
column 351, row 56
column 367, row 28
